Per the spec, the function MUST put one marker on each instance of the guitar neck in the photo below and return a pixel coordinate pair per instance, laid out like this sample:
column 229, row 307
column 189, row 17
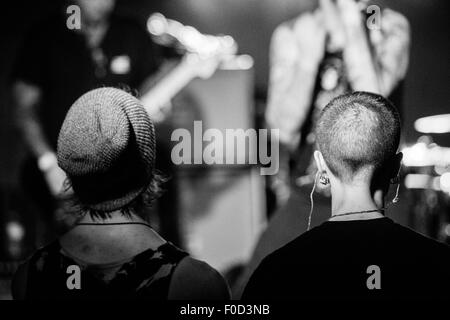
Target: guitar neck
column 158, row 97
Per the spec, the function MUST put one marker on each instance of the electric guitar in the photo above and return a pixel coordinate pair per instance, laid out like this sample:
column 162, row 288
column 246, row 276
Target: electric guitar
column 203, row 55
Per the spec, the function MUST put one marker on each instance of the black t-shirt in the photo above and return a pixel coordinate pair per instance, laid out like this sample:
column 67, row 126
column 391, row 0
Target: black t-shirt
column 343, row 259
column 59, row 62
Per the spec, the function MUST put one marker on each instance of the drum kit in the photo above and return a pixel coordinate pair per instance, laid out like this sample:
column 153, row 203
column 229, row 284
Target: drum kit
column 427, row 178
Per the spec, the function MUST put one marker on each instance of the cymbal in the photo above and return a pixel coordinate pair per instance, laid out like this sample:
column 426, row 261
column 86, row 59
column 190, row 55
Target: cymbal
column 433, row 124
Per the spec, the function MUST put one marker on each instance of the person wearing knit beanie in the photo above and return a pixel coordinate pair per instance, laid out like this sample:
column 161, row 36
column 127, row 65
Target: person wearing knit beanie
column 106, row 146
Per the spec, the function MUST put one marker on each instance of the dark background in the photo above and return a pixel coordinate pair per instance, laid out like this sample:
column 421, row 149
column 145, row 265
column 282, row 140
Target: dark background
column 251, row 23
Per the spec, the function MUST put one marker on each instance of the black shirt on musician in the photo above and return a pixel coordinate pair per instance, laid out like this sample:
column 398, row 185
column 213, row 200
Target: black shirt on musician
column 60, row 63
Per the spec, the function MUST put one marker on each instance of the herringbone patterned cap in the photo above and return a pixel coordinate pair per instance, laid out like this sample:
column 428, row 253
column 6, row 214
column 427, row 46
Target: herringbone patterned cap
column 106, row 146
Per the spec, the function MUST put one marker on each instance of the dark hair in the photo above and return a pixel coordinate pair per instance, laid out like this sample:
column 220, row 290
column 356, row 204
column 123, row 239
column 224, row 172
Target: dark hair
column 358, row 131
column 73, row 205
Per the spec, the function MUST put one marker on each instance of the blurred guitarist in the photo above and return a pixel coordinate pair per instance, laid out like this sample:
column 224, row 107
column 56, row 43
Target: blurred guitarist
column 57, row 65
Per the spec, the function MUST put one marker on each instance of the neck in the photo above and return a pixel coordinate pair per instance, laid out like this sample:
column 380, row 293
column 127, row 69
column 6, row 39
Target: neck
column 355, row 199
column 115, row 217
column 109, row 243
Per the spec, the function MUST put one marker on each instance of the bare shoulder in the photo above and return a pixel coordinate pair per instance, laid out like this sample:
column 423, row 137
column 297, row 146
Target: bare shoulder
column 197, row 280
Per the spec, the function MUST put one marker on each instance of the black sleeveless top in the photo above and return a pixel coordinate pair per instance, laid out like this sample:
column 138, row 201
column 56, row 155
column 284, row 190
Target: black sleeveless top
column 52, row 275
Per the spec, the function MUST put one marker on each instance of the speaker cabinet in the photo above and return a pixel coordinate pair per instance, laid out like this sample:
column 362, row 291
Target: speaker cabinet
column 222, row 206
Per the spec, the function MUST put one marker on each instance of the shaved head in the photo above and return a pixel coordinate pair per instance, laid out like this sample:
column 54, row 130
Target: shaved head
column 358, row 133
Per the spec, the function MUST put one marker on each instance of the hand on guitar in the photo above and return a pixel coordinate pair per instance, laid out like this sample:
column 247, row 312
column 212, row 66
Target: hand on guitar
column 203, row 56
column 55, row 178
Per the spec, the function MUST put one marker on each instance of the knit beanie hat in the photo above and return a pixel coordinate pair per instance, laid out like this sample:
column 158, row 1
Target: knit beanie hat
column 106, row 146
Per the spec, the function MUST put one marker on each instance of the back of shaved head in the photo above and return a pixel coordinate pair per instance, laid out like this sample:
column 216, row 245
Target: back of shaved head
column 358, row 132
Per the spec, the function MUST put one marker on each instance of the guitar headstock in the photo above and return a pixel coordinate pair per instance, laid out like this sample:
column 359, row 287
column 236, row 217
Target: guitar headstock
column 203, row 52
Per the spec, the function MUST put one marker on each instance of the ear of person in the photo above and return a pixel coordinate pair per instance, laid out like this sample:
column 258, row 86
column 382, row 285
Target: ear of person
column 323, row 176
column 323, row 179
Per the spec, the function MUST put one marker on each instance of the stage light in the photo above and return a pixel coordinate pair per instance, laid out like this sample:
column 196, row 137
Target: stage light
column 245, row 62
column 416, row 155
column 445, row 182
column 440, row 170
column 156, row 24
column 422, row 154
column 422, row 181
column 447, row 230
column 240, row 62
column 433, row 124
column 15, row 231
